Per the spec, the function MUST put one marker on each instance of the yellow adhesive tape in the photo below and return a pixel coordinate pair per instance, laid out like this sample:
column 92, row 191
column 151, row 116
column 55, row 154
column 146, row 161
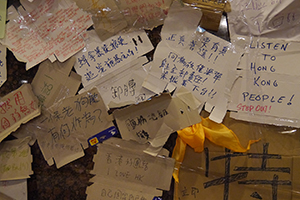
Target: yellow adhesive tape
column 3, row 4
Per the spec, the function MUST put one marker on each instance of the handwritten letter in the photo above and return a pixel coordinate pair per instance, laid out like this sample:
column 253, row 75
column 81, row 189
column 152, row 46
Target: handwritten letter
column 42, row 31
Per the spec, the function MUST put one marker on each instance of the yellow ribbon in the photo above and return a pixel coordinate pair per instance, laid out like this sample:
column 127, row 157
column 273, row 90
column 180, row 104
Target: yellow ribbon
column 195, row 136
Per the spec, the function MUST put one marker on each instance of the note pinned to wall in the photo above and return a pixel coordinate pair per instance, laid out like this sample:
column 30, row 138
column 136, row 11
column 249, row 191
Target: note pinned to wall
column 128, row 173
column 3, row 5
column 266, row 18
column 267, row 90
column 16, row 108
column 99, row 58
column 3, row 71
column 200, row 62
column 154, row 120
column 44, row 29
column 68, row 124
column 15, row 159
column 54, row 81
column 124, row 86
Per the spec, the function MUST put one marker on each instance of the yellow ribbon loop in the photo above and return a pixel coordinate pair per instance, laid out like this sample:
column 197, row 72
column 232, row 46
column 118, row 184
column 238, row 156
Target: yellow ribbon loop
column 195, row 136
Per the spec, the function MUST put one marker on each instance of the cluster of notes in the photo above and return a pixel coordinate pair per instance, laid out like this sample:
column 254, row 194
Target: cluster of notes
column 94, row 82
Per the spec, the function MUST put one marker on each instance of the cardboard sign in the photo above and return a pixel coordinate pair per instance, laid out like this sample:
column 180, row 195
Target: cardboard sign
column 267, row 90
column 69, row 123
column 3, row 72
column 101, row 58
column 128, row 173
column 16, row 108
column 15, row 159
column 54, row 81
column 267, row 171
column 49, row 30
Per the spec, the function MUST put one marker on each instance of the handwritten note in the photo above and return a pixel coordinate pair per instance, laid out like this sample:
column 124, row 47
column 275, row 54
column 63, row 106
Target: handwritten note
column 268, row 18
column 124, row 86
column 54, row 81
column 154, row 120
column 69, row 123
column 267, row 91
column 2, row 17
column 45, row 29
column 204, row 64
column 15, row 159
column 129, row 173
column 16, row 108
column 3, row 72
column 98, row 58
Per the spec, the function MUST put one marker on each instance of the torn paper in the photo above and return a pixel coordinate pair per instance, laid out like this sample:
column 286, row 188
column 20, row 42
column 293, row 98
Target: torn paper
column 44, row 29
column 267, row 90
column 15, row 159
column 98, row 58
column 154, row 120
column 3, row 72
column 107, row 18
column 16, row 189
column 200, row 62
column 16, row 108
column 3, row 5
column 69, row 123
column 54, row 81
column 144, row 14
column 124, row 86
column 275, row 19
column 128, row 172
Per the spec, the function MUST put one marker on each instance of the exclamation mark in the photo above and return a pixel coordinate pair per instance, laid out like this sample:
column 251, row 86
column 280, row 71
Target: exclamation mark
column 270, row 108
column 290, row 103
column 135, row 43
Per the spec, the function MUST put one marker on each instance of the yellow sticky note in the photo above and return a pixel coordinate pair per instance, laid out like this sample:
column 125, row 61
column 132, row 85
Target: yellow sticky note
column 2, row 17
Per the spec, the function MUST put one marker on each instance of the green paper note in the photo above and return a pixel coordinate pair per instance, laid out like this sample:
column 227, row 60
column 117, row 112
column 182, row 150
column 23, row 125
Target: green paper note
column 2, row 17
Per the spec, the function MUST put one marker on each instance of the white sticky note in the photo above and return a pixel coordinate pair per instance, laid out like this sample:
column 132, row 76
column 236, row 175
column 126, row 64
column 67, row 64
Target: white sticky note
column 275, row 19
column 44, row 29
column 267, row 91
column 99, row 58
column 16, row 189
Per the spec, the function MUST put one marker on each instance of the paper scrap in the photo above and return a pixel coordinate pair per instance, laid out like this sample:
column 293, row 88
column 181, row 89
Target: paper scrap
column 54, row 81
column 266, row 18
column 154, row 120
column 16, row 189
column 199, row 62
column 3, row 5
column 15, row 159
column 128, row 172
column 3, row 71
column 99, row 58
column 45, row 28
column 108, row 19
column 69, row 123
column 267, row 90
column 124, row 86
column 16, row 108
column 144, row 14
